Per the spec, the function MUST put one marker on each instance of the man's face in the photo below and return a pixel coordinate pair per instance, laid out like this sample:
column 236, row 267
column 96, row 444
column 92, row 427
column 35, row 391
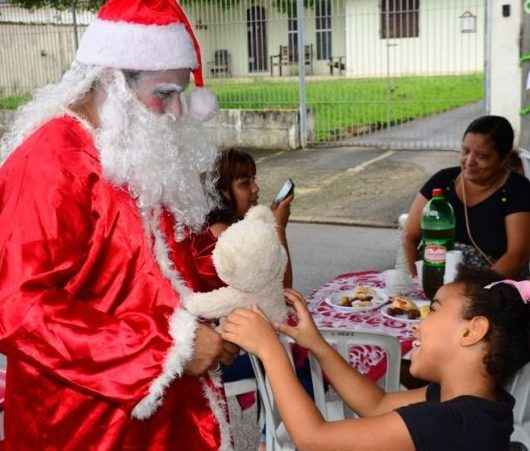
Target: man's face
column 160, row 91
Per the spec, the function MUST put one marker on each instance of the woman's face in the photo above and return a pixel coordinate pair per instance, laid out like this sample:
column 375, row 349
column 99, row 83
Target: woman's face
column 438, row 336
column 479, row 160
column 246, row 193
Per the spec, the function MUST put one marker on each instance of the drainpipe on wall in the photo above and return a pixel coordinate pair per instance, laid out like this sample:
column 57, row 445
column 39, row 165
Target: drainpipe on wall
column 524, row 45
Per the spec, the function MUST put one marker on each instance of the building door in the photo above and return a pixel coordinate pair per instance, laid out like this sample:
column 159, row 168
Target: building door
column 257, row 39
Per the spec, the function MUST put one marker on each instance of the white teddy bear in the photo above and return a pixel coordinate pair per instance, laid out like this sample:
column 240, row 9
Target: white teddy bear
column 251, row 261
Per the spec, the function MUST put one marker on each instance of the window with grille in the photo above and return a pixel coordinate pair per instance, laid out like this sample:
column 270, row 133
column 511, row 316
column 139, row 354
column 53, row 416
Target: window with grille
column 292, row 32
column 323, row 28
column 400, row 19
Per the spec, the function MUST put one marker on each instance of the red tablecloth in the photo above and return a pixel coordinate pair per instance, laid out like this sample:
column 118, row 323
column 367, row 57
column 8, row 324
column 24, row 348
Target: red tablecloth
column 369, row 360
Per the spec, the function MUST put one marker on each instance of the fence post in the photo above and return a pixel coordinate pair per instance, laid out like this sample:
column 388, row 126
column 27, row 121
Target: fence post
column 74, row 20
column 487, row 54
column 300, row 15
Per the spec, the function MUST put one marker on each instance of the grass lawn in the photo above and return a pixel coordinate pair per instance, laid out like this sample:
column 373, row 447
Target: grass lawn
column 12, row 102
column 340, row 107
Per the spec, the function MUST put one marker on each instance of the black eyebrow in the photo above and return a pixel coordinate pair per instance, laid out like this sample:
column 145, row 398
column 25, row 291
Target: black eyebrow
column 168, row 89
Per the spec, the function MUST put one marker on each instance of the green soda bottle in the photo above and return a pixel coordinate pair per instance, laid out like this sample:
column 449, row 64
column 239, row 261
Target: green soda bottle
column 438, row 237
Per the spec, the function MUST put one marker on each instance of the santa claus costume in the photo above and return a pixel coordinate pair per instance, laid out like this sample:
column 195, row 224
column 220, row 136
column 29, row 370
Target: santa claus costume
column 93, row 273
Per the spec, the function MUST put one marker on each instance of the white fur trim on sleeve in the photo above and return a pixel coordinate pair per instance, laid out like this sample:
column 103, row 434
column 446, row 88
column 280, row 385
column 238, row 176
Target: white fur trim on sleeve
column 219, row 409
column 130, row 46
column 182, row 327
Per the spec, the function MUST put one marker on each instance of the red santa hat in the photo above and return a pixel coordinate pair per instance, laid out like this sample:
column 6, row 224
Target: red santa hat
column 147, row 35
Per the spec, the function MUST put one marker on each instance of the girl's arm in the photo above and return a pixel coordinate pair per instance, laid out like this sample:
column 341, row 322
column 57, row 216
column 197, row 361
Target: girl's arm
column 359, row 392
column 281, row 212
column 518, row 252
column 306, row 427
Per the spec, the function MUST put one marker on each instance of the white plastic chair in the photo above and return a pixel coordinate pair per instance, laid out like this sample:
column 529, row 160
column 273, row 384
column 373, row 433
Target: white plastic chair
column 240, row 387
column 525, row 158
column 519, row 388
column 343, row 341
column 277, row 438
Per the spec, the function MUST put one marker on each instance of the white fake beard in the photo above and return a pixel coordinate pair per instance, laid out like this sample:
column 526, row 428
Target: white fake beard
column 163, row 161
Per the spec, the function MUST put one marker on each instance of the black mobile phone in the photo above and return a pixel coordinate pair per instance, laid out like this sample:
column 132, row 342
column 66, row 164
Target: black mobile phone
column 286, row 190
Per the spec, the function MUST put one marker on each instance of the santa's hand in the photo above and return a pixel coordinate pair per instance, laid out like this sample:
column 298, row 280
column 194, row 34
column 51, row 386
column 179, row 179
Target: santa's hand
column 305, row 333
column 229, row 353
column 207, row 352
column 250, row 330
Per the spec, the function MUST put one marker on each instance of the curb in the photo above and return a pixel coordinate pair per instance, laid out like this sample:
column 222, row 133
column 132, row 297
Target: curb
column 342, row 222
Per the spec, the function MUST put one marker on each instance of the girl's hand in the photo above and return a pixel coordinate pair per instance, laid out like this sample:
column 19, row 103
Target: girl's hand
column 282, row 211
column 250, row 330
column 305, row 333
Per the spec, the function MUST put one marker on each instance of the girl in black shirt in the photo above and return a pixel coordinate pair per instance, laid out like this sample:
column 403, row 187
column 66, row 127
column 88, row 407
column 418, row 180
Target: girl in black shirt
column 475, row 338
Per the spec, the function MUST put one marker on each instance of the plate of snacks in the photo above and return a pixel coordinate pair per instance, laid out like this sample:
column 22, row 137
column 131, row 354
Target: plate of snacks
column 359, row 299
column 405, row 309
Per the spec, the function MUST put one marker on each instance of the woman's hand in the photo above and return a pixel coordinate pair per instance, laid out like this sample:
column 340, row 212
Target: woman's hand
column 305, row 333
column 250, row 330
column 282, row 211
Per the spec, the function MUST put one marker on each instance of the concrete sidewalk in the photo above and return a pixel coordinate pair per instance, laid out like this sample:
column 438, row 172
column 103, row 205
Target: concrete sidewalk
column 349, row 185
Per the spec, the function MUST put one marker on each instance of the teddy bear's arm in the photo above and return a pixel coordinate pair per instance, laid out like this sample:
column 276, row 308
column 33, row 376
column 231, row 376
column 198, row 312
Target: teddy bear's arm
column 216, row 303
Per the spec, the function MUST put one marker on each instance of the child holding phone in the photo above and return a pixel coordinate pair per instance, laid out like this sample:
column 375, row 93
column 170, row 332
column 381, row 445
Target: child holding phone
column 238, row 191
column 475, row 338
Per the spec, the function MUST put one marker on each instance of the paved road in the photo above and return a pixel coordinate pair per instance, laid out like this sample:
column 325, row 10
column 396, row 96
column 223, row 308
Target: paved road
column 320, row 252
column 443, row 130
column 349, row 184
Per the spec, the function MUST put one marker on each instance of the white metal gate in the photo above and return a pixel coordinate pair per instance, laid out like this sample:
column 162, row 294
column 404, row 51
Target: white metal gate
column 390, row 73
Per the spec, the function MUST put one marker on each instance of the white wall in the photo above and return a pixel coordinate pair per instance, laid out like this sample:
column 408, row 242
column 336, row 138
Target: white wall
column 440, row 48
column 505, row 82
column 227, row 29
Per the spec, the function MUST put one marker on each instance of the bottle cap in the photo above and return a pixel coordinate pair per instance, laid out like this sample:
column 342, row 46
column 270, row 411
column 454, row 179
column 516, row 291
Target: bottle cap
column 437, row 192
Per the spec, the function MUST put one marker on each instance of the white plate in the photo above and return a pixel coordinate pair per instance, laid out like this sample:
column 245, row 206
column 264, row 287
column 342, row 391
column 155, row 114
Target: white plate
column 379, row 299
column 404, row 318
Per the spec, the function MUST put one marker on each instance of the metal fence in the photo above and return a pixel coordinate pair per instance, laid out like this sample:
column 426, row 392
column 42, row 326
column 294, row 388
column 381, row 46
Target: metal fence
column 391, row 73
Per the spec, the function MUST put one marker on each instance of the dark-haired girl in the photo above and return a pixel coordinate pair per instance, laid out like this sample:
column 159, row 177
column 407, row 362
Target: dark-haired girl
column 495, row 199
column 472, row 342
column 238, row 191
column 237, row 188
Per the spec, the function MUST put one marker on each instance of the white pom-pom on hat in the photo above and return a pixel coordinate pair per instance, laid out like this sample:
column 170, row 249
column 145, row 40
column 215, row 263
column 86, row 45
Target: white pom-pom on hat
column 202, row 104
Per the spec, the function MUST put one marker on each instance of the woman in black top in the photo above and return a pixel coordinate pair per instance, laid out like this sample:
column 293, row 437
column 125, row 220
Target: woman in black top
column 474, row 339
column 497, row 199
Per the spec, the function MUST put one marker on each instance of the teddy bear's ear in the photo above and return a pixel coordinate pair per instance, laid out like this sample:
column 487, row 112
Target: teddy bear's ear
column 261, row 213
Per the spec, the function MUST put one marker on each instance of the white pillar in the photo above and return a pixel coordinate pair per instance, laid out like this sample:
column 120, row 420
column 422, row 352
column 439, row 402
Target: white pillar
column 504, row 53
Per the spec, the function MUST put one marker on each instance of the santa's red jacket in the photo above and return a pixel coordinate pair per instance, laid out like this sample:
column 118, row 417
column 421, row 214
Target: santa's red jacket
column 90, row 321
